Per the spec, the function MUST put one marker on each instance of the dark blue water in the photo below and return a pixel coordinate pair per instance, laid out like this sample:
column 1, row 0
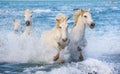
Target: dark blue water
column 102, row 51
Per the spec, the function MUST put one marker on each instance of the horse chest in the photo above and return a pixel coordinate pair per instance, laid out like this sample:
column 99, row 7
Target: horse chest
column 57, row 35
column 77, row 34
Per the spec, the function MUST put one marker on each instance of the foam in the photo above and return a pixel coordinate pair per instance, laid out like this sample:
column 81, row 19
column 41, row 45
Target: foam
column 29, row 49
column 88, row 66
column 41, row 10
column 26, row 49
column 102, row 42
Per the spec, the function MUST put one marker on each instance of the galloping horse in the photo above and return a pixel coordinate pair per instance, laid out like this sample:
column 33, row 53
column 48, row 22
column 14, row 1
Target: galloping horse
column 17, row 26
column 57, row 37
column 28, row 21
column 82, row 18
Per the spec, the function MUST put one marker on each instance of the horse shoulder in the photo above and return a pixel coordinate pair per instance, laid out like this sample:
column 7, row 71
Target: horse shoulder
column 55, row 34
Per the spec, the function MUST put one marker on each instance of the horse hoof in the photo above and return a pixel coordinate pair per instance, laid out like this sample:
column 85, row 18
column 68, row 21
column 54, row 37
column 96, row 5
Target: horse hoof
column 81, row 58
column 56, row 57
column 62, row 61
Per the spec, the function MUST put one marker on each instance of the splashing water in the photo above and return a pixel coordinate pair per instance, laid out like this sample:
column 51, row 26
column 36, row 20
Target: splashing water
column 22, row 54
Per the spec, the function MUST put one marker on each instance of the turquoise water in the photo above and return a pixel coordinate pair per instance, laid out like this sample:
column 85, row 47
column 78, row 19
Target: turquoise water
column 102, row 52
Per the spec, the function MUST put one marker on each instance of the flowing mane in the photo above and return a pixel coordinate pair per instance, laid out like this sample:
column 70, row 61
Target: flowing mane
column 77, row 13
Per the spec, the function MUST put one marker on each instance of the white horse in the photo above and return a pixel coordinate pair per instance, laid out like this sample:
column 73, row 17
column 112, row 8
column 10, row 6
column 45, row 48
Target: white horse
column 28, row 21
column 82, row 18
column 17, row 26
column 58, row 36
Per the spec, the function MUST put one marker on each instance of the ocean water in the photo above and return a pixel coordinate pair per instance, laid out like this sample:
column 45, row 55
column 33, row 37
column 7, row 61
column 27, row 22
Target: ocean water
column 21, row 54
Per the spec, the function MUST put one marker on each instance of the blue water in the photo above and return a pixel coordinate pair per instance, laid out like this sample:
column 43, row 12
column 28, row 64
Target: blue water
column 102, row 51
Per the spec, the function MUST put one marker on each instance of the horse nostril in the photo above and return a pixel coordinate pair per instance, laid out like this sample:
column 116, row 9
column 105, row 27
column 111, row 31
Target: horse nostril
column 27, row 23
column 92, row 25
column 64, row 39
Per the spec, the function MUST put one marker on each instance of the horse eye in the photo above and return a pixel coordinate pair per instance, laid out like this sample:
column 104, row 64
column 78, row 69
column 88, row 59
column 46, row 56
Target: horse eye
column 85, row 16
column 60, row 27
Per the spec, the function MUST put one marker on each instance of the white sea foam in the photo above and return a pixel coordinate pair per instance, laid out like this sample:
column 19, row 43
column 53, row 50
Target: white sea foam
column 102, row 42
column 90, row 65
column 115, row 8
column 26, row 49
column 41, row 10
column 101, row 9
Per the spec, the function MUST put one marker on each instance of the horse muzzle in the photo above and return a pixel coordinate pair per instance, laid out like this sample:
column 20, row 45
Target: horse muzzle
column 64, row 40
column 92, row 25
column 27, row 23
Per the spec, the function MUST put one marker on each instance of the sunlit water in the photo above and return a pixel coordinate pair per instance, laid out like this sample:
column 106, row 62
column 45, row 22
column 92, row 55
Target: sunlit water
column 25, row 54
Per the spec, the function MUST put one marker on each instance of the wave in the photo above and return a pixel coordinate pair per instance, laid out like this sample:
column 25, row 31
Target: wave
column 29, row 49
column 89, row 66
column 25, row 49
column 42, row 10
column 34, row 51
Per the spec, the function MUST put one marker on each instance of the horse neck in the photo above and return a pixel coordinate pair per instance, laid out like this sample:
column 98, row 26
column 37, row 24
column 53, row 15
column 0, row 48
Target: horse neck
column 80, row 26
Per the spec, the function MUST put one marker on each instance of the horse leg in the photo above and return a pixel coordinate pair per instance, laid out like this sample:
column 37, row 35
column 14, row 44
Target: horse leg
column 62, row 60
column 81, row 55
column 56, row 57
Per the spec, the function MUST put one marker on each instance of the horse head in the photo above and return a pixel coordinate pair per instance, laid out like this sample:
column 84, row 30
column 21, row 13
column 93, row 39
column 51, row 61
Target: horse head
column 16, row 25
column 62, row 25
column 84, row 16
column 28, row 17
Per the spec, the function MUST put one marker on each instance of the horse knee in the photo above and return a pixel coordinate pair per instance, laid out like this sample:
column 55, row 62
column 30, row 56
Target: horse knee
column 79, row 49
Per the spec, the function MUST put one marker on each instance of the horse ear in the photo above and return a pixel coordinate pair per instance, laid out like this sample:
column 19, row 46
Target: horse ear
column 82, row 10
column 58, row 20
column 68, row 18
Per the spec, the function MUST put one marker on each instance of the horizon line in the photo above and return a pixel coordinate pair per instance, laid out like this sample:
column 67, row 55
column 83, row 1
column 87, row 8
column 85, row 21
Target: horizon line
column 58, row 0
